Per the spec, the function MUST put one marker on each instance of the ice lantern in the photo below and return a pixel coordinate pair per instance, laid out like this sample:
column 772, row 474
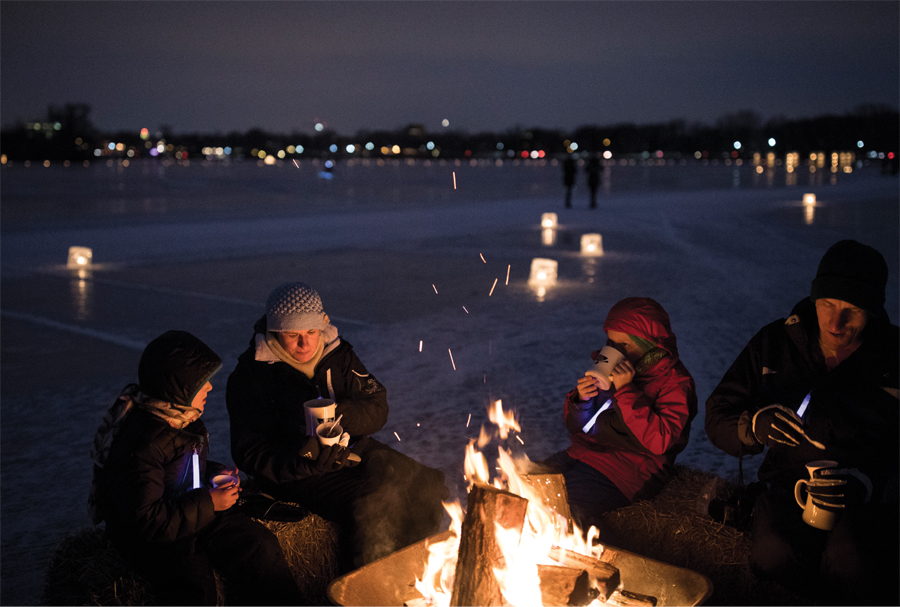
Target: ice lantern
column 591, row 244
column 809, row 199
column 79, row 258
column 543, row 272
column 549, row 220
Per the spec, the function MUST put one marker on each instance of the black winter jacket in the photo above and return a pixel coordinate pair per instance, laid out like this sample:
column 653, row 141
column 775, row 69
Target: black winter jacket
column 265, row 406
column 853, row 409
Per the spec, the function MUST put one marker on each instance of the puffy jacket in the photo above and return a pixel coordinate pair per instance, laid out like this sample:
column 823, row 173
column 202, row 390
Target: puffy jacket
column 148, row 476
column 852, row 409
column 636, row 439
column 265, row 405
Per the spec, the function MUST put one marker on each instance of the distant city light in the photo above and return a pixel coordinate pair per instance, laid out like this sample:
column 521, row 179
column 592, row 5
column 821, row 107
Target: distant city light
column 332, row 148
column 607, row 154
column 534, row 154
column 499, row 145
column 112, row 146
column 771, row 141
column 574, row 146
column 395, row 149
column 350, row 148
column 145, row 133
column 161, row 147
column 370, row 146
column 859, row 143
column 329, row 164
column 430, row 145
column 737, row 145
column 97, row 152
column 299, row 149
column 319, row 126
column 281, row 153
column 445, row 122
column 659, row 154
column 698, row 155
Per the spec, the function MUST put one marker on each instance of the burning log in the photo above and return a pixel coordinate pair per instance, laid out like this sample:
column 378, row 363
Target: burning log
column 625, row 598
column 549, row 486
column 479, row 553
column 606, row 577
column 560, row 584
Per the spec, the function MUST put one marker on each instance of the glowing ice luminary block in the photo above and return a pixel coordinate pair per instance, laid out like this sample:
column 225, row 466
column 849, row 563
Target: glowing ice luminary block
column 549, row 220
column 591, row 244
column 79, row 257
column 809, row 199
column 543, row 272
column 548, row 237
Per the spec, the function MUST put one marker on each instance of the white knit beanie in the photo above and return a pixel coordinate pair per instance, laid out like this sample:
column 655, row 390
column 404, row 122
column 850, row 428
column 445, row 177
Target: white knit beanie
column 294, row 306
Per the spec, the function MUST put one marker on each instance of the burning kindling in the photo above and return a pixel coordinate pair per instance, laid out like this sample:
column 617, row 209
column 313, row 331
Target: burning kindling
column 516, row 544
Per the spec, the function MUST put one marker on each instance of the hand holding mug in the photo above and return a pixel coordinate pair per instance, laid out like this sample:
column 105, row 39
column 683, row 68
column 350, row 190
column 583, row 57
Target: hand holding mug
column 588, row 387
column 226, row 495
column 622, row 374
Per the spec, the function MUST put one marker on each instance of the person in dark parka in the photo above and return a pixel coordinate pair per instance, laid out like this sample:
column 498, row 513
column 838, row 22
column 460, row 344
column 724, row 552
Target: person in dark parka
column 151, row 486
column 823, row 385
column 382, row 499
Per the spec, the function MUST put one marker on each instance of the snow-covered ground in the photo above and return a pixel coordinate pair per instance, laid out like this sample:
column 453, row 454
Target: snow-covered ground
column 200, row 253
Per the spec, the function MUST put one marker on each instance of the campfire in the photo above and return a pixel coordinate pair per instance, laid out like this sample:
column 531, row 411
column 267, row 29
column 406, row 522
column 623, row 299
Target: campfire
column 515, row 545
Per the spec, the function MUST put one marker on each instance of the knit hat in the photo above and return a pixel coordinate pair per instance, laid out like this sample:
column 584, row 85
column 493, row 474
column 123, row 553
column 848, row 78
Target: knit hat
column 852, row 272
column 294, row 306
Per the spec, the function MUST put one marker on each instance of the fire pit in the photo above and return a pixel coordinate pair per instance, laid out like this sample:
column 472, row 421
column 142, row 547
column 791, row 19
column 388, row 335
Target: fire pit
column 391, row 580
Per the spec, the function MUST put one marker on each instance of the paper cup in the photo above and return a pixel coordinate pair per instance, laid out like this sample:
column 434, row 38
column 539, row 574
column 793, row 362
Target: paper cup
column 318, row 411
column 602, row 368
column 329, row 433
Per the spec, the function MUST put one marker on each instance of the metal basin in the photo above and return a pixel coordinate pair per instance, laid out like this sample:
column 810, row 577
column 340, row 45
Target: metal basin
column 391, row 580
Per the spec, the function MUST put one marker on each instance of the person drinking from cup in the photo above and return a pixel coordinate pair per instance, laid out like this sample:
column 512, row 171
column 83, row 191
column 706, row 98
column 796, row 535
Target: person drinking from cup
column 629, row 416
column 296, row 364
column 168, row 510
column 819, row 390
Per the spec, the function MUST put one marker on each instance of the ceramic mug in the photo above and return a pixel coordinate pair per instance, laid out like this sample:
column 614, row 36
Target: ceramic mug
column 318, row 411
column 602, row 368
column 816, row 515
column 223, row 479
column 329, row 433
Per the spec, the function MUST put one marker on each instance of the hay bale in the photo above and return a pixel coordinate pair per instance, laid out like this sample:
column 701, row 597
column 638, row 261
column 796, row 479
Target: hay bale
column 87, row 570
column 669, row 529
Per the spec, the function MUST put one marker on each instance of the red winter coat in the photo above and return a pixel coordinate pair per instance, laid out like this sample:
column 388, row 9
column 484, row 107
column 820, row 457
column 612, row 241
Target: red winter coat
column 635, row 440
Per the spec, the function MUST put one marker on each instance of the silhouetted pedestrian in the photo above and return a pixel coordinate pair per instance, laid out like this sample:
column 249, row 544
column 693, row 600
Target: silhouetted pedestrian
column 593, row 172
column 569, row 171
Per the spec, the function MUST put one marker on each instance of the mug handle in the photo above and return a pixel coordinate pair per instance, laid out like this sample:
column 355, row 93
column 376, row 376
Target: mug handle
column 799, row 490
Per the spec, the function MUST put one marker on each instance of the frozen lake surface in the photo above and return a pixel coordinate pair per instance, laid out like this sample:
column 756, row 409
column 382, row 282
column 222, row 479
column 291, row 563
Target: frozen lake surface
column 199, row 248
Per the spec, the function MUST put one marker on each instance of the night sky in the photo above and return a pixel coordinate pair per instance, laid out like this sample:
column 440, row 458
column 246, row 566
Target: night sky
column 484, row 66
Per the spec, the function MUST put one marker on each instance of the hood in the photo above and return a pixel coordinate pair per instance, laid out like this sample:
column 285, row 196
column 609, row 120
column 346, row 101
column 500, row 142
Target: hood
column 174, row 367
column 645, row 318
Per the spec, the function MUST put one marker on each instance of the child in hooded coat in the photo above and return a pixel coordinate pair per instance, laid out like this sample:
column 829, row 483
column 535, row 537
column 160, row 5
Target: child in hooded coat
column 151, row 486
column 644, row 417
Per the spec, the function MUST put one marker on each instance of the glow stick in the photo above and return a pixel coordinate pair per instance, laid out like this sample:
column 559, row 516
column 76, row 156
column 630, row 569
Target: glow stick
column 803, row 406
column 195, row 461
column 590, row 424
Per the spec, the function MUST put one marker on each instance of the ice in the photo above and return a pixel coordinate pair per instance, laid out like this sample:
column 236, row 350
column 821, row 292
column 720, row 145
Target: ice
column 408, row 269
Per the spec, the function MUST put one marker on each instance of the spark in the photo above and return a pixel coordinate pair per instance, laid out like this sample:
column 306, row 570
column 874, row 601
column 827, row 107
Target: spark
column 451, row 359
column 418, row 424
column 468, row 420
column 464, row 308
column 492, row 287
column 397, row 435
column 454, row 180
column 434, row 287
column 295, row 163
column 420, row 345
column 518, row 438
column 507, row 273
column 482, row 258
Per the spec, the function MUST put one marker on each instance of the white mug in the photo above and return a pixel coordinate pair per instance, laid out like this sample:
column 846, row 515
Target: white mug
column 318, row 411
column 223, row 479
column 602, row 368
column 816, row 515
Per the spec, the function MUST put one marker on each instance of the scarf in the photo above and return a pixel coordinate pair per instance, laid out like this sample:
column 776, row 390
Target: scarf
column 176, row 416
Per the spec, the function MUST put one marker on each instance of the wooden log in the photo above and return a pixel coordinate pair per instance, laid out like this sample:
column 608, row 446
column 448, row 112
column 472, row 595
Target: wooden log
column 558, row 583
column 626, row 598
column 548, row 485
column 604, row 577
column 479, row 553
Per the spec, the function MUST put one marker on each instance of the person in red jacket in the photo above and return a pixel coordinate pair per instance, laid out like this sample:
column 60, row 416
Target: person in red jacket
column 625, row 438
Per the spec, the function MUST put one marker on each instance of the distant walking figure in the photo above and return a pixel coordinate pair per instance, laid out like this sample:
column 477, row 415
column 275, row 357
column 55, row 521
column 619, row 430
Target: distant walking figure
column 593, row 172
column 569, row 171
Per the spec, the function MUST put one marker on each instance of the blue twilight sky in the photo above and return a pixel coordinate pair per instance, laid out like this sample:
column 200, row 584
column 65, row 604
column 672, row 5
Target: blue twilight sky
column 219, row 66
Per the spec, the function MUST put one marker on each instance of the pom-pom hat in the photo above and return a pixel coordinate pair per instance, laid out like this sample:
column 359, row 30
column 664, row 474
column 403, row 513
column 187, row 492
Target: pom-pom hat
column 295, row 306
column 852, row 272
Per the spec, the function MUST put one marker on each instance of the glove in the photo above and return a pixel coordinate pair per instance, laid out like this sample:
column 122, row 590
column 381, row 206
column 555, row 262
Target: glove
column 330, row 459
column 853, row 489
column 775, row 426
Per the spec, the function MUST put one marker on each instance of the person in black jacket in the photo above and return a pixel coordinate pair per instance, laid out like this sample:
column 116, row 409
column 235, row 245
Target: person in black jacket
column 382, row 498
column 823, row 385
column 151, row 486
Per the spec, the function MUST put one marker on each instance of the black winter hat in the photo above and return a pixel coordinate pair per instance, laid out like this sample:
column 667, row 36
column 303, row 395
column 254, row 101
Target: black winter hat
column 852, row 272
column 174, row 367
